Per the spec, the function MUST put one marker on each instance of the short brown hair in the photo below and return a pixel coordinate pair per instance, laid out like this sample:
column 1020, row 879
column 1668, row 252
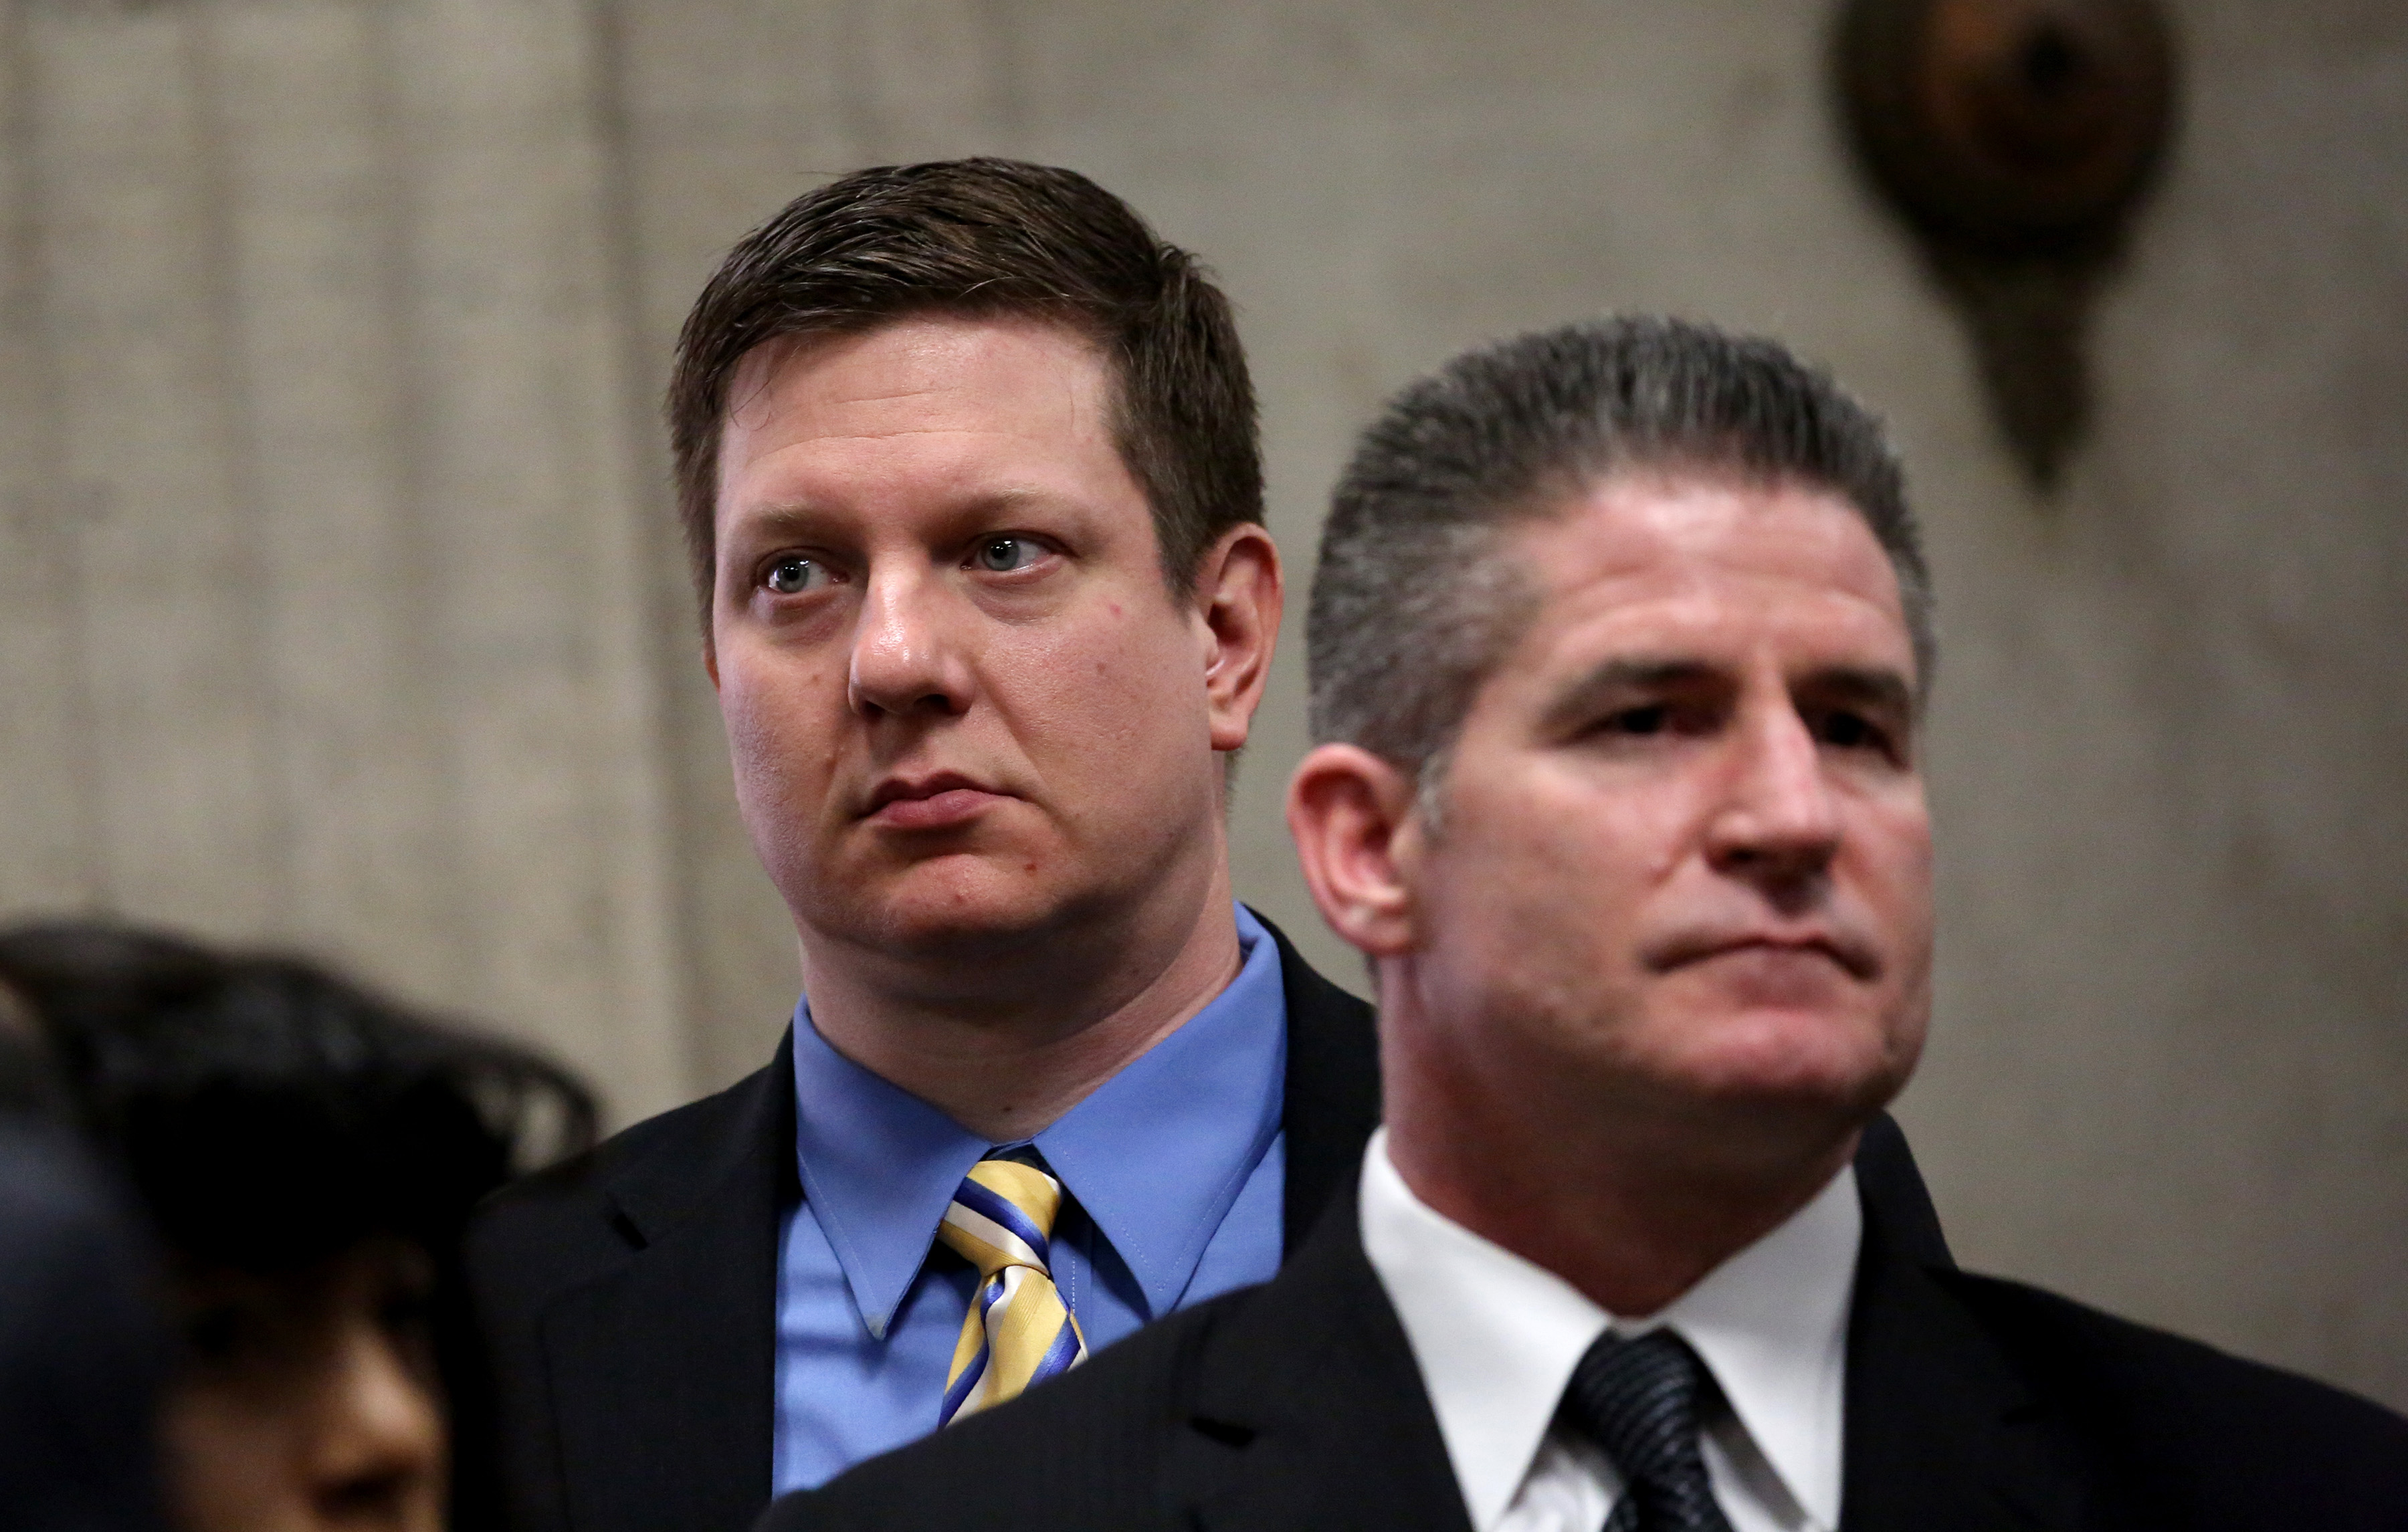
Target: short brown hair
column 989, row 236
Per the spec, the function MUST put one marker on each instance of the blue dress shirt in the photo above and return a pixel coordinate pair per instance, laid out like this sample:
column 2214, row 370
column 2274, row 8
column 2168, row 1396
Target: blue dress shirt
column 1174, row 1167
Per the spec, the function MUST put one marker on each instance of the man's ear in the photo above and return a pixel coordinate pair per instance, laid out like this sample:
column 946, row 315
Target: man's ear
column 1239, row 597
column 1351, row 814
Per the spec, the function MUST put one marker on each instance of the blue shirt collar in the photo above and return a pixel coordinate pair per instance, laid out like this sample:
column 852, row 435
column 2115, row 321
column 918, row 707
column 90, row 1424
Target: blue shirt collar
column 1155, row 1155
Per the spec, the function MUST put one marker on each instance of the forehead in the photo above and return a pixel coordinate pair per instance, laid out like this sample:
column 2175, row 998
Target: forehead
column 1695, row 564
column 934, row 386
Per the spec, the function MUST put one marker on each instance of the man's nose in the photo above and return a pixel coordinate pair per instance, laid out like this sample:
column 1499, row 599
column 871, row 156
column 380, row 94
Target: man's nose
column 1777, row 825
column 377, row 1446
column 903, row 660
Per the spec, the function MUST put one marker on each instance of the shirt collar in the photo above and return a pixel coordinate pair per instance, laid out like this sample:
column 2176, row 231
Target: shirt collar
column 1497, row 1336
column 1159, row 1153
column 1771, row 1324
column 1154, row 1157
column 879, row 1167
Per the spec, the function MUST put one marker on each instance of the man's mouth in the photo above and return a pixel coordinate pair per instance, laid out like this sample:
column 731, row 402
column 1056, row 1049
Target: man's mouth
column 1855, row 957
column 935, row 801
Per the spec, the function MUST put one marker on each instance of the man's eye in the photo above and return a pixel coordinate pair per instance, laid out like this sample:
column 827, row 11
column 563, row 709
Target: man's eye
column 794, row 575
column 1002, row 556
column 1852, row 731
column 1652, row 719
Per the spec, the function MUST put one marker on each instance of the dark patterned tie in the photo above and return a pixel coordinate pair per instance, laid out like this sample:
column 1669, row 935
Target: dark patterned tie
column 1639, row 1400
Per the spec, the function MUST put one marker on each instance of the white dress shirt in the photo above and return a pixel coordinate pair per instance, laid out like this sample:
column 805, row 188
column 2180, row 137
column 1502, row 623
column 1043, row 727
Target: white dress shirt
column 1497, row 1339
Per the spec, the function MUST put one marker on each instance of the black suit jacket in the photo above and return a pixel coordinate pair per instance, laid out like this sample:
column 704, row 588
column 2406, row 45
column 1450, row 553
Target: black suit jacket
column 1972, row 1405
column 628, row 1300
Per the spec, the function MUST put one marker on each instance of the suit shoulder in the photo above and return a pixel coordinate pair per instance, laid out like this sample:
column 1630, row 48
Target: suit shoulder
column 2139, row 1360
column 2187, row 1420
column 1080, row 1450
column 562, row 1222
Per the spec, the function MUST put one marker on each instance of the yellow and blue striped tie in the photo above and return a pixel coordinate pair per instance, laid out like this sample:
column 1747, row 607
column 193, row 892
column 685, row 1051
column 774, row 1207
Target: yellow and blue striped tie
column 1018, row 1332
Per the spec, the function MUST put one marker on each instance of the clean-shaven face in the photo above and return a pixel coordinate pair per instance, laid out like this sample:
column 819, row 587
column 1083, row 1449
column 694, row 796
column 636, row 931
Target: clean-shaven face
column 962, row 704
column 1685, row 849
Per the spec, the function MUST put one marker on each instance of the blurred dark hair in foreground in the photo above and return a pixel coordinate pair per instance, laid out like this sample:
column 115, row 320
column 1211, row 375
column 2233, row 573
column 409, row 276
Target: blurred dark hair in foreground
column 270, row 1115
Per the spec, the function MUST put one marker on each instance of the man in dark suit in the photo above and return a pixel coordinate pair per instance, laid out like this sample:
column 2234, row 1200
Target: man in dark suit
column 968, row 463
column 1620, row 637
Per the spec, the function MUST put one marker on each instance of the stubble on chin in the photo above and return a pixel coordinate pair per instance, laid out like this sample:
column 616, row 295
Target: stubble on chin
column 1621, row 1054
column 963, row 906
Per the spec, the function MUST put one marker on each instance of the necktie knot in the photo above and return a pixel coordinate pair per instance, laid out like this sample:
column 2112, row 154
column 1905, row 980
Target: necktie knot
column 1002, row 1215
column 1018, row 1330
column 1641, row 1400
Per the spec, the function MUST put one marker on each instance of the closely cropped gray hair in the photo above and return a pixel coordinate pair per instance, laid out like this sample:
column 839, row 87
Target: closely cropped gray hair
column 1414, row 603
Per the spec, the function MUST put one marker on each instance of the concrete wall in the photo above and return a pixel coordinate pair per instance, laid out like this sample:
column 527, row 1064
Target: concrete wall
column 341, row 604
column 325, row 619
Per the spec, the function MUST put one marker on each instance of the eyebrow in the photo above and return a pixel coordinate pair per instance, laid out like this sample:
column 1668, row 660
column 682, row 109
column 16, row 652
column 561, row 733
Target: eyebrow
column 1877, row 687
column 800, row 516
column 779, row 518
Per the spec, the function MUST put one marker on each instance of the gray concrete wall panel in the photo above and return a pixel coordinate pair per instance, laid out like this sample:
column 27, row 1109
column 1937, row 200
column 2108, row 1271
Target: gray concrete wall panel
column 343, row 554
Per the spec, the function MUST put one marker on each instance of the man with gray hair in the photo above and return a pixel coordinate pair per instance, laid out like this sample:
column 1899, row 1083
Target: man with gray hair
column 1619, row 645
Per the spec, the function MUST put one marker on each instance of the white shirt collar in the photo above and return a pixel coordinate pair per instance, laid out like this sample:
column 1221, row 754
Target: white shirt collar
column 1497, row 1336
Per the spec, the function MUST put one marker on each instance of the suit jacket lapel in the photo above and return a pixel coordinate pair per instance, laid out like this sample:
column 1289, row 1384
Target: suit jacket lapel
column 1941, row 1430
column 1308, row 1410
column 663, row 1372
column 1331, row 1100
column 1888, row 1181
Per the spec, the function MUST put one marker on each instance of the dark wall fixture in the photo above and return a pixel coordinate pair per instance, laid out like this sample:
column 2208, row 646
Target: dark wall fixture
column 2015, row 136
